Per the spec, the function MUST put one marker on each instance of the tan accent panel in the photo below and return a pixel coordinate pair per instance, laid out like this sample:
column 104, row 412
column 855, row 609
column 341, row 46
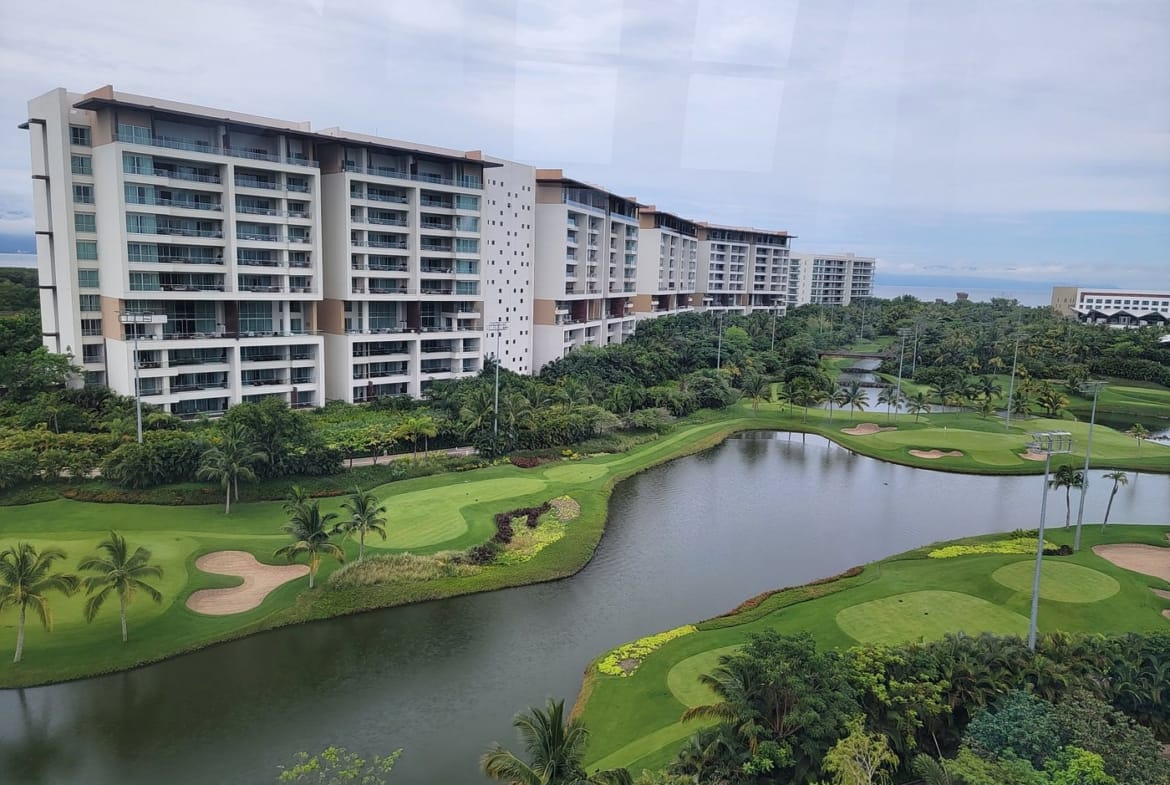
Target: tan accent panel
column 544, row 311
column 101, row 130
column 548, row 193
column 330, row 158
column 111, row 319
column 642, row 303
column 331, row 317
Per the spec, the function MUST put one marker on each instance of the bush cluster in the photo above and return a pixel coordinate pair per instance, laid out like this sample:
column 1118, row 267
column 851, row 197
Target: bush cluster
column 638, row 650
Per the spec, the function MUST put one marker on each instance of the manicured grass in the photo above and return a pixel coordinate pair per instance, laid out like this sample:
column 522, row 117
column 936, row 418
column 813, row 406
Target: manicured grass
column 926, row 614
column 1059, row 581
column 635, row 721
column 436, row 513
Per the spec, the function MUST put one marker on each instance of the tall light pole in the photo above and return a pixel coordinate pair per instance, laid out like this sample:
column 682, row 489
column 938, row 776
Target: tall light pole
column 719, row 346
column 1012, row 384
column 914, row 351
column 1050, row 443
column 499, row 328
column 137, row 319
column 903, row 333
column 775, row 311
column 1093, row 387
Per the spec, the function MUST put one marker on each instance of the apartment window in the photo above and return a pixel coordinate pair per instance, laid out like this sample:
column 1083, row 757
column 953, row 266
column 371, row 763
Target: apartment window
column 91, row 326
column 467, row 223
column 142, row 252
column 80, row 164
column 144, row 282
column 87, row 250
column 141, row 224
column 82, row 194
column 255, row 317
column 91, row 353
column 85, row 222
column 79, row 135
column 466, row 287
column 139, row 194
column 466, row 245
column 89, row 302
column 137, row 164
column 133, row 133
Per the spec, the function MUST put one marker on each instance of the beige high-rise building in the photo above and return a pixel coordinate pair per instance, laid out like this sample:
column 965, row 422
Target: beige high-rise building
column 743, row 269
column 668, row 263
column 829, row 278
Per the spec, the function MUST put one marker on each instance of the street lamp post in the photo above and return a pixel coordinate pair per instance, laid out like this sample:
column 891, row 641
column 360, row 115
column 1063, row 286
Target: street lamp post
column 499, row 328
column 1093, row 387
column 775, row 311
column 137, row 319
column 1012, row 383
column 1050, row 443
column 903, row 333
column 719, row 346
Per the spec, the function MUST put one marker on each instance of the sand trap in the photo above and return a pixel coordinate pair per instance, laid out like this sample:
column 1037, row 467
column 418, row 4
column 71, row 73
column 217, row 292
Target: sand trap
column 933, row 455
column 1146, row 559
column 867, row 429
column 1034, row 456
column 259, row 581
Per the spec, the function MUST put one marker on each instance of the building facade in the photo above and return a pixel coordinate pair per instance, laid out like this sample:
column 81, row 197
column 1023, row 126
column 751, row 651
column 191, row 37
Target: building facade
column 829, row 279
column 206, row 257
column 586, row 267
column 1113, row 307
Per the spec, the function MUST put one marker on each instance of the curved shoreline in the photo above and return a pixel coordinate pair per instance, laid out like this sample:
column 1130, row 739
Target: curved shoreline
column 323, row 605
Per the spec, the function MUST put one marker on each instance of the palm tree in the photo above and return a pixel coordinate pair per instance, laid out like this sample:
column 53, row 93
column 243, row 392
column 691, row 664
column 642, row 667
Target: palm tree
column 918, row 404
column 856, row 398
column 310, row 532
column 1119, row 478
column 1068, row 478
column 118, row 571
column 785, row 394
column 839, row 396
column 891, row 398
column 556, row 750
column 234, row 458
column 412, row 428
column 754, row 386
column 366, row 514
column 1139, row 432
column 25, row 579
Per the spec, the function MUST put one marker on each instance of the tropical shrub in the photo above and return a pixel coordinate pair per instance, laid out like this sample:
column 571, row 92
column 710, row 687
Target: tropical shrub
column 633, row 653
column 1011, row 545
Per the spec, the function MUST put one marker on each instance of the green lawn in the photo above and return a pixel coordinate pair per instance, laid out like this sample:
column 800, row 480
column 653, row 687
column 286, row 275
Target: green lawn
column 441, row 512
column 635, row 720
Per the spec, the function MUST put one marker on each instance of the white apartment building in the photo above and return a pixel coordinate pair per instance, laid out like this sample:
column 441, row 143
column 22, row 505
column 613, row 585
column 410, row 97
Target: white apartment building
column 182, row 240
column 1113, row 307
column 509, row 253
column 828, row 278
column 403, row 298
column 668, row 264
column 586, row 273
column 742, row 270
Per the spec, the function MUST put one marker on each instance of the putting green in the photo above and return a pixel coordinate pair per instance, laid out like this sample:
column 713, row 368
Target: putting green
column 435, row 516
column 683, row 678
column 574, row 472
column 928, row 615
column 1059, row 581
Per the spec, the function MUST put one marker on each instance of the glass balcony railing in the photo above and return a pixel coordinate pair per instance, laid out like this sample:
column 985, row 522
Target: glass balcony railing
column 197, row 146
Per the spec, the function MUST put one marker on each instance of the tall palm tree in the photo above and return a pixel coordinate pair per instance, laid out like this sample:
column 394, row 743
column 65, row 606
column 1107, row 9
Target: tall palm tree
column 891, row 398
column 413, row 428
column 754, row 386
column 366, row 514
column 1068, row 478
column 785, row 394
column 556, row 751
column 310, row 532
column 1119, row 478
column 856, row 398
column 25, row 579
column 1139, row 432
column 118, row 571
column 234, row 458
column 918, row 404
column 839, row 396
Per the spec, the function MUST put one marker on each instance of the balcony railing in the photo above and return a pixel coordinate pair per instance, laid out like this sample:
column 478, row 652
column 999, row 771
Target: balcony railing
column 175, row 174
column 186, row 204
column 192, row 145
column 179, row 231
column 384, row 171
column 244, row 181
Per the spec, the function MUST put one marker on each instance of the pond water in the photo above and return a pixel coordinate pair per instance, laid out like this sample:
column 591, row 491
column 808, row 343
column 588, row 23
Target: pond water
column 686, row 540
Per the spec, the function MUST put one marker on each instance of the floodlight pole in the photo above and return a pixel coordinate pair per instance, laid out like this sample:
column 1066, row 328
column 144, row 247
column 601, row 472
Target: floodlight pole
column 1012, row 383
column 719, row 349
column 499, row 328
column 1095, row 388
column 1051, row 443
column 903, row 333
column 774, row 312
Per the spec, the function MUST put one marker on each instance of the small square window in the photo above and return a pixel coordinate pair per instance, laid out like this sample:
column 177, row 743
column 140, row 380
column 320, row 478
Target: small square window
column 85, row 222
column 87, row 250
column 82, row 194
column 79, row 135
column 80, row 164
column 87, row 279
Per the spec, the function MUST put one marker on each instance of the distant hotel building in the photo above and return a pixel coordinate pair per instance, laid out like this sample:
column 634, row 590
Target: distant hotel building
column 1113, row 307
column 829, row 279
column 224, row 257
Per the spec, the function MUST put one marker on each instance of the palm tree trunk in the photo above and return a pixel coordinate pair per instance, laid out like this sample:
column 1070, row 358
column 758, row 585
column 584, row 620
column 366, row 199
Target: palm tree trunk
column 1109, row 506
column 236, row 484
column 122, row 601
column 362, row 545
column 227, row 501
column 1067, row 506
column 19, row 636
column 312, row 569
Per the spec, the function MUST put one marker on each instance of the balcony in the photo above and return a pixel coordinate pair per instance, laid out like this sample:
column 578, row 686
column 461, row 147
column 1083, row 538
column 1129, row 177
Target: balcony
column 186, row 204
column 196, row 146
column 244, row 181
column 424, row 177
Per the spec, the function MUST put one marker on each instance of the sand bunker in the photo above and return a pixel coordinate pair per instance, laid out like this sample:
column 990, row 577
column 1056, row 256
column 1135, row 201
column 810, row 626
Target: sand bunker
column 1146, row 559
column 936, row 454
column 867, row 429
column 1033, row 456
column 259, row 581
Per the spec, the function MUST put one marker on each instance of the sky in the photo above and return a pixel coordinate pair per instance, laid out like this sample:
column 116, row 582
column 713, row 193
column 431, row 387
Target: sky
column 999, row 145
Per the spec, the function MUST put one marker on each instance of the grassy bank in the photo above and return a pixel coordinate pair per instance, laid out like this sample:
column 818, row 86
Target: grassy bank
column 635, row 719
column 427, row 515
